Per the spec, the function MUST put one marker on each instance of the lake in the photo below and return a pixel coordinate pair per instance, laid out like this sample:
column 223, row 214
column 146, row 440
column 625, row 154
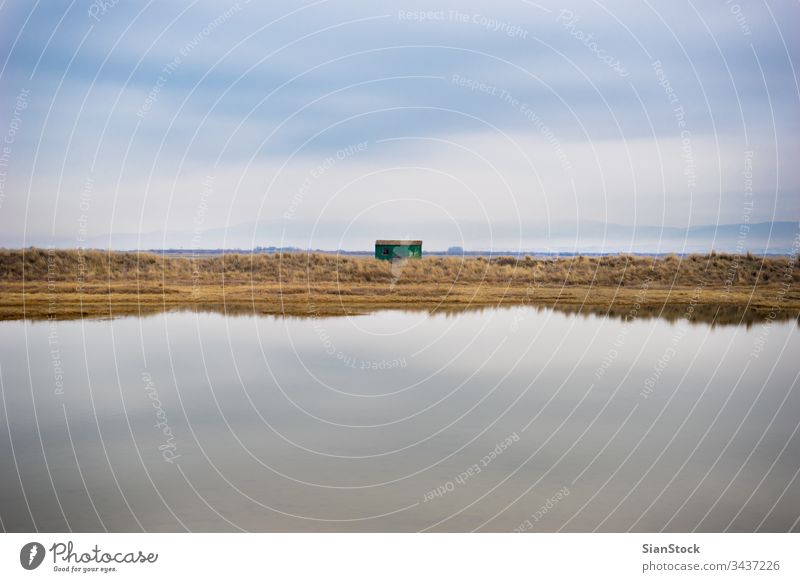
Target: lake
column 517, row 419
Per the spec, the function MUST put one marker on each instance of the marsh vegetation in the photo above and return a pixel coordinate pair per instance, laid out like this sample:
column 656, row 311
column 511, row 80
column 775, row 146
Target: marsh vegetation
column 42, row 283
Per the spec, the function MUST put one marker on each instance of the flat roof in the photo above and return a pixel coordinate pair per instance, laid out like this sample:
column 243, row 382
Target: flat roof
column 398, row 242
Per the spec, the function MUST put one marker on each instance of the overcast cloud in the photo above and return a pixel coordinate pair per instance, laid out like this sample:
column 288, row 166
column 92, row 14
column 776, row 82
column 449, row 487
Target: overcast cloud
column 330, row 124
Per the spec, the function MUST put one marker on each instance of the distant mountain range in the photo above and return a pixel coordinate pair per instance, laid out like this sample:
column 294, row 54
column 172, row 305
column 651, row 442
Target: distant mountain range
column 771, row 237
column 589, row 237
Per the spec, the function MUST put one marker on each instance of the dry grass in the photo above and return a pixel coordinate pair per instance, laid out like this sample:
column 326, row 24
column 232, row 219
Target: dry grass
column 41, row 283
column 96, row 266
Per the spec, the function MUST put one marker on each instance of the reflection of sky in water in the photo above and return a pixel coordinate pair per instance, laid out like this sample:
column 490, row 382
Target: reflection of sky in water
column 347, row 424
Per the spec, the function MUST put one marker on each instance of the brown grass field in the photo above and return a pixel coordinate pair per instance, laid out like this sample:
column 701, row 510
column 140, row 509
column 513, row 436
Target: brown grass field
column 70, row 284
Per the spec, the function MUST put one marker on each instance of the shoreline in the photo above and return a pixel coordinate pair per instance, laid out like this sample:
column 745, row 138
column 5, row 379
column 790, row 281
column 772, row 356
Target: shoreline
column 69, row 284
column 60, row 301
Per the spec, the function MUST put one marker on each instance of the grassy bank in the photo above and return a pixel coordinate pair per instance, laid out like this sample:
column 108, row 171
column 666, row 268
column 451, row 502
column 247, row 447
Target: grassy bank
column 40, row 283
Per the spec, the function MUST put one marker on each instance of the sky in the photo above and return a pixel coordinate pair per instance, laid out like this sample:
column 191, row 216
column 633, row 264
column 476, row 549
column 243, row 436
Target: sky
column 329, row 124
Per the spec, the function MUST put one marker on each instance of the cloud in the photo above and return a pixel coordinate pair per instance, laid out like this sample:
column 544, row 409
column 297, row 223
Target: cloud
column 146, row 101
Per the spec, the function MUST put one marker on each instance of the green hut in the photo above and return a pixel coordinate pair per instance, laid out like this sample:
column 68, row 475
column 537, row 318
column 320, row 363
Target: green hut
column 389, row 250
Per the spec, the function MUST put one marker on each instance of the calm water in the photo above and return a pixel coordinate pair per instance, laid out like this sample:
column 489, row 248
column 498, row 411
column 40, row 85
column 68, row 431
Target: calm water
column 494, row 421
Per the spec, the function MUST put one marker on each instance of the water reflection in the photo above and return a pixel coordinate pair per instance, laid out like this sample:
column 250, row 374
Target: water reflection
column 714, row 315
column 527, row 419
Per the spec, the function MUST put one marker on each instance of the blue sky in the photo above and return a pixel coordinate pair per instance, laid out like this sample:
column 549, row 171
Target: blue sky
column 480, row 124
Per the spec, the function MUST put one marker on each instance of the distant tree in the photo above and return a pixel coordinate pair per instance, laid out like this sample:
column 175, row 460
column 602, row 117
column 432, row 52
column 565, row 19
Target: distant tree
column 455, row 251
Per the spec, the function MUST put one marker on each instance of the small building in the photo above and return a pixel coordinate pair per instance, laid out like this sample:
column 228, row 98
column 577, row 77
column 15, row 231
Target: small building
column 389, row 250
